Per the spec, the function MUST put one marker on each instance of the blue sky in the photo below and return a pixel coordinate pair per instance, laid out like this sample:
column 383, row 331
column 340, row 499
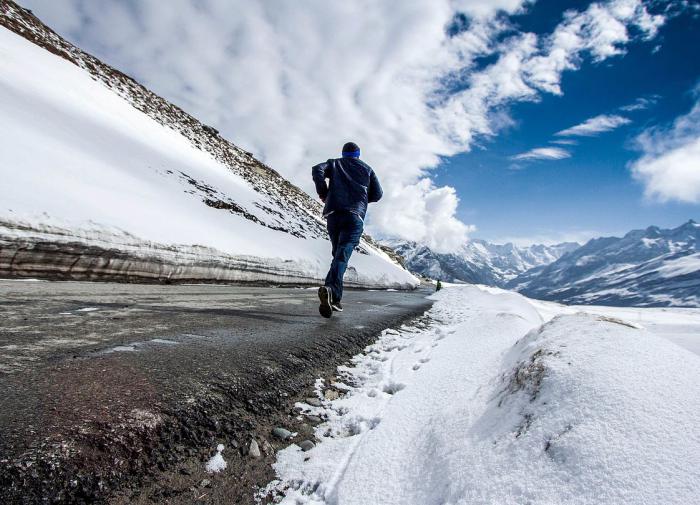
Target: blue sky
column 455, row 103
column 592, row 192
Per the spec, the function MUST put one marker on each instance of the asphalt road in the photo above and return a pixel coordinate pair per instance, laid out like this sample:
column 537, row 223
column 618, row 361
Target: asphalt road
column 123, row 384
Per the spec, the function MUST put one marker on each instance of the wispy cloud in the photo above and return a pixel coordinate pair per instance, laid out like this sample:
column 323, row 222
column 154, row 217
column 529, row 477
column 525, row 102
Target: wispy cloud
column 543, row 153
column 595, row 126
column 564, row 142
column 641, row 103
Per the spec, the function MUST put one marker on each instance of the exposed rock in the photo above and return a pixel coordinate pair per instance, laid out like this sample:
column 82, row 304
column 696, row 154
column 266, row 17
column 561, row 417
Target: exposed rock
column 313, row 401
column 331, row 394
column 254, row 449
column 281, row 433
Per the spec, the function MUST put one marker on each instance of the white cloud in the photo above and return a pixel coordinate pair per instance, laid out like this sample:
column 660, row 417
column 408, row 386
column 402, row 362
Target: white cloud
column 426, row 214
column 594, row 126
column 601, row 30
column 292, row 81
column 564, row 142
column 670, row 165
column 543, row 153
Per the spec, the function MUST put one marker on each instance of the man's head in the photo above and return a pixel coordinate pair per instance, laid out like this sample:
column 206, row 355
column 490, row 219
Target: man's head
column 351, row 150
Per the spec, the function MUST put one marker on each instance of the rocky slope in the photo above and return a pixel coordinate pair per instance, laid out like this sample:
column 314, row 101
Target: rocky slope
column 103, row 179
column 478, row 261
column 651, row 267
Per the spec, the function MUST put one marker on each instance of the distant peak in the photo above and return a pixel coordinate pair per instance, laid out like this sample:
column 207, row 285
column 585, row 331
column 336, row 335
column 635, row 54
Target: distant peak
column 691, row 224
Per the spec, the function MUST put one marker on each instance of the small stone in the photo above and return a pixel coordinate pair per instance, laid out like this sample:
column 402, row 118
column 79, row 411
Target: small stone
column 306, row 445
column 205, row 483
column 314, row 419
column 314, row 402
column 331, row 394
column 254, row 449
column 281, row 433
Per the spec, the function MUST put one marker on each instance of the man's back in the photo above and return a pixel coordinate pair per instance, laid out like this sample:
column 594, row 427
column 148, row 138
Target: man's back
column 352, row 184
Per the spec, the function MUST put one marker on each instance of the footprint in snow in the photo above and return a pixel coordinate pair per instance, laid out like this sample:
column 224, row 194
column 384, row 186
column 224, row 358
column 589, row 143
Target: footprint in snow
column 393, row 387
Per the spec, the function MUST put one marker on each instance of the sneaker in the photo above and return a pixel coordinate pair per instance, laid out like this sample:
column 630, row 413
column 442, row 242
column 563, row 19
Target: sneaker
column 337, row 306
column 324, row 294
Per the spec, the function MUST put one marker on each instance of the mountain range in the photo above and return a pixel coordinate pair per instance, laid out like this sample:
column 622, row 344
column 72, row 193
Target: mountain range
column 650, row 267
column 478, row 261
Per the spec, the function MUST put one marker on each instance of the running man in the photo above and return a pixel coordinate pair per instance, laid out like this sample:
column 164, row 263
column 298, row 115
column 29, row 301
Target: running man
column 352, row 184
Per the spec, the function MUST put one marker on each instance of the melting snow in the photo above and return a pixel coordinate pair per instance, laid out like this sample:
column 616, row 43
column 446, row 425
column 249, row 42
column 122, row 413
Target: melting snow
column 217, row 462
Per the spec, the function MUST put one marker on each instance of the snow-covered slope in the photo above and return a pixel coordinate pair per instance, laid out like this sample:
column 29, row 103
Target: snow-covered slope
column 651, row 267
column 503, row 400
column 478, row 261
column 101, row 178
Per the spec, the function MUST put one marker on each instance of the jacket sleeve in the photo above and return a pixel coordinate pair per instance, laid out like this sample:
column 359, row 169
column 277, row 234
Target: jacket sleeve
column 374, row 192
column 320, row 173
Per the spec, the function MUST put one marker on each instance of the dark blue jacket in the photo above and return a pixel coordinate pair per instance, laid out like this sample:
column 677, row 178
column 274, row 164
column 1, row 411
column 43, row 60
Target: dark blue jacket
column 352, row 184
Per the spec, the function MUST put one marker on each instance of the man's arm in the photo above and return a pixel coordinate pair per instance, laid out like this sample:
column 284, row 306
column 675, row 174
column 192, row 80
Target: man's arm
column 320, row 173
column 374, row 192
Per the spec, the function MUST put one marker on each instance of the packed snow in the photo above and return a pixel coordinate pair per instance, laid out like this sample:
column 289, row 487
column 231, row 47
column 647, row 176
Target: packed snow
column 81, row 164
column 496, row 398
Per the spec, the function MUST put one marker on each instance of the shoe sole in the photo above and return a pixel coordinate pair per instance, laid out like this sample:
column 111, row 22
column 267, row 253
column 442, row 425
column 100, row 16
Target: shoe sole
column 336, row 309
column 325, row 308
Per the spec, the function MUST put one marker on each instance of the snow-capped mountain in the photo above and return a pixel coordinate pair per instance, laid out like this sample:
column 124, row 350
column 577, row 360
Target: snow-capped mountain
column 478, row 261
column 651, row 267
column 103, row 179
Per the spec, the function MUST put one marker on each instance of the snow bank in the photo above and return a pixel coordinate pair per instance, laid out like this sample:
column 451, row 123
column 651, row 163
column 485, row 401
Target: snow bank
column 88, row 174
column 487, row 403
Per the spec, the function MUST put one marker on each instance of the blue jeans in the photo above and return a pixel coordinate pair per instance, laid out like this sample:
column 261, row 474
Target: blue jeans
column 345, row 230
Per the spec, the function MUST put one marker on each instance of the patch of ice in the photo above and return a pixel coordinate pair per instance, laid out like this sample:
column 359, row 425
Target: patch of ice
column 162, row 341
column 121, row 348
column 24, row 280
